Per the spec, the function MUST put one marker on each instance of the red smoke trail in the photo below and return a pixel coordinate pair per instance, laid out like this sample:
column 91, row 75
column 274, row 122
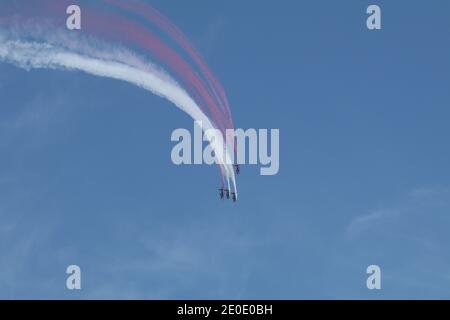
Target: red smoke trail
column 161, row 21
column 118, row 28
column 123, row 30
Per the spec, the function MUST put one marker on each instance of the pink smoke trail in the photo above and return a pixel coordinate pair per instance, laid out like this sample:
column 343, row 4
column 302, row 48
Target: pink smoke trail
column 118, row 28
column 148, row 12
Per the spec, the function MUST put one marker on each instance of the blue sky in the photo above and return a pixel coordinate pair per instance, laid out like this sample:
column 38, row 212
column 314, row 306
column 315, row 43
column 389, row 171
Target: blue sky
column 86, row 176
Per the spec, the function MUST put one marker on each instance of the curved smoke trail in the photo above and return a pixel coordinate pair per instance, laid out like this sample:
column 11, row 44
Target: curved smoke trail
column 35, row 45
column 143, row 9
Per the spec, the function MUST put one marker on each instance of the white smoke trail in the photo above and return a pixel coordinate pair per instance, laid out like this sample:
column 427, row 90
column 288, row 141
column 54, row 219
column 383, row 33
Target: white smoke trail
column 33, row 55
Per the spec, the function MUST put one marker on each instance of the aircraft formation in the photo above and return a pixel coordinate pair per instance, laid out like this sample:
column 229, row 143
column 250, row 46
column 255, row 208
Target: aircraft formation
column 226, row 192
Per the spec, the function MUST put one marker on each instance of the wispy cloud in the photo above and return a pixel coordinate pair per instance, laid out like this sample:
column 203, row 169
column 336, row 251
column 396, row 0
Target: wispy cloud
column 409, row 239
column 18, row 243
column 417, row 201
column 364, row 222
column 176, row 262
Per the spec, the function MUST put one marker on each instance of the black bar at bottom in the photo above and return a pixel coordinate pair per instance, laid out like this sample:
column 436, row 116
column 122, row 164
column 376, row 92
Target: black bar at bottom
column 231, row 309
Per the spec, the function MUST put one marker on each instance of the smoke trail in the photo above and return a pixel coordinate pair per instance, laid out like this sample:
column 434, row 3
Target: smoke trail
column 150, row 13
column 111, row 26
column 37, row 21
column 32, row 55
